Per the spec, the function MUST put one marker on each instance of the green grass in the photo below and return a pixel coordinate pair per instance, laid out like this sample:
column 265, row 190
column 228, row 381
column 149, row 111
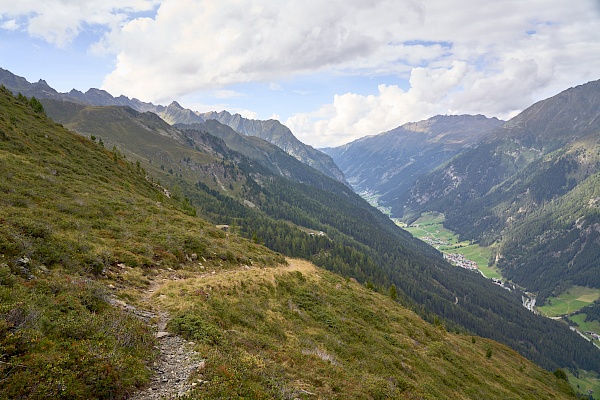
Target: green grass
column 571, row 300
column 430, row 225
column 60, row 338
column 589, row 326
column 74, row 216
column 585, row 381
column 303, row 332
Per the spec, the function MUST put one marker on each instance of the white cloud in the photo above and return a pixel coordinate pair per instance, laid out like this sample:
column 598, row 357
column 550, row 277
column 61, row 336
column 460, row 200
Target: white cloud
column 463, row 56
column 10, row 25
column 227, row 94
column 60, row 21
column 351, row 116
column 249, row 114
column 275, row 86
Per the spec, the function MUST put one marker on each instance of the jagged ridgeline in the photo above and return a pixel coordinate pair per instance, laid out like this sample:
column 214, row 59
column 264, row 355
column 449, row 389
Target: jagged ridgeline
column 272, row 198
column 76, row 217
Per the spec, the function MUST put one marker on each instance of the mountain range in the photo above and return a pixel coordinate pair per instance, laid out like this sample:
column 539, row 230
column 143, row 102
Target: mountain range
column 528, row 186
column 265, row 196
column 388, row 164
column 272, row 131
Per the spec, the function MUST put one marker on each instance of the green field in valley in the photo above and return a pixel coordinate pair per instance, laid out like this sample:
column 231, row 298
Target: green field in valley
column 589, row 326
column 574, row 299
column 585, row 381
column 429, row 228
column 571, row 300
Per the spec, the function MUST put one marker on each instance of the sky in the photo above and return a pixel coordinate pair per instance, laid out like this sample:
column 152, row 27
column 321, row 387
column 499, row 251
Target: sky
column 332, row 71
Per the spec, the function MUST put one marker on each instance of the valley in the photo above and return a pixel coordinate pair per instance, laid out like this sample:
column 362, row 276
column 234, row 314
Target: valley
column 430, row 228
column 175, row 186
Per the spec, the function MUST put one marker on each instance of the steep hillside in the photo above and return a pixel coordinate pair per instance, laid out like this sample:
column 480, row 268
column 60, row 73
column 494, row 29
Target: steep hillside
column 74, row 217
column 530, row 187
column 272, row 131
column 388, row 164
column 299, row 331
column 275, row 132
column 268, row 155
column 320, row 219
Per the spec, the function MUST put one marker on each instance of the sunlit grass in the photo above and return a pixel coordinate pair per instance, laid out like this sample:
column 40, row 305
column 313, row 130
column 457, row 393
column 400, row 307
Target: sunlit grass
column 571, row 300
column 299, row 331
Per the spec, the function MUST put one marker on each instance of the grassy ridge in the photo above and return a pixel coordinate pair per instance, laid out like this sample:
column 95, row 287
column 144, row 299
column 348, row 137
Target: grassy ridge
column 71, row 213
column 299, row 331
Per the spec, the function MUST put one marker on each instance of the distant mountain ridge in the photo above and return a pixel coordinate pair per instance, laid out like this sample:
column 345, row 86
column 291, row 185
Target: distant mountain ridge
column 388, row 164
column 280, row 135
column 531, row 187
column 272, row 131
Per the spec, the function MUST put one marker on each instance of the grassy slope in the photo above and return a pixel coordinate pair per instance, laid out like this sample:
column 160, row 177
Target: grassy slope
column 585, row 381
column 71, row 212
column 571, row 300
column 300, row 331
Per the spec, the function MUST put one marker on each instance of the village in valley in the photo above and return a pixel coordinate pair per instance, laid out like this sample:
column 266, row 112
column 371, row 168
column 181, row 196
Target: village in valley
column 468, row 255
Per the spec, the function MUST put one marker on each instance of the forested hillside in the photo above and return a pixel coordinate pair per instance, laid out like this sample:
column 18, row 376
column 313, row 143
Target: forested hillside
column 385, row 166
column 85, row 229
column 532, row 188
column 320, row 219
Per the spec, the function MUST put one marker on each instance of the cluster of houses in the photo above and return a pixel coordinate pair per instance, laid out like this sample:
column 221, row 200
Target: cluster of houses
column 593, row 334
column 435, row 242
column 460, row 261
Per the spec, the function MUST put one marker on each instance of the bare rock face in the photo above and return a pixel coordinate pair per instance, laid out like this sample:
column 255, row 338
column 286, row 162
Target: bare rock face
column 280, row 135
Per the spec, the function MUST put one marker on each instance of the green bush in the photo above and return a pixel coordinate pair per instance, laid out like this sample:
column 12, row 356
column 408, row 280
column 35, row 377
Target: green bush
column 59, row 338
column 194, row 327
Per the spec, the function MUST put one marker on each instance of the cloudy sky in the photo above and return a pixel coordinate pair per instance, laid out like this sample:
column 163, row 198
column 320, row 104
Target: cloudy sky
column 332, row 71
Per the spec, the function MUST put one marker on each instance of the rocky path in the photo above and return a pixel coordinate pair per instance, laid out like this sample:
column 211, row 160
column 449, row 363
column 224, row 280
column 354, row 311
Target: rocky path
column 175, row 368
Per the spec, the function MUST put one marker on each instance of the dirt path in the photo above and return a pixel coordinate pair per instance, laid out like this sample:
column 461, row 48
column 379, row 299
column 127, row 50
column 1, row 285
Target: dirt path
column 177, row 363
column 175, row 371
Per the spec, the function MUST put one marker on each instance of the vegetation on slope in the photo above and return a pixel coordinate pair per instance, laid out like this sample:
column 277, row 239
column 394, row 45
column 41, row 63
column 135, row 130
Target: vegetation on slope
column 357, row 240
column 533, row 189
column 71, row 213
column 302, row 332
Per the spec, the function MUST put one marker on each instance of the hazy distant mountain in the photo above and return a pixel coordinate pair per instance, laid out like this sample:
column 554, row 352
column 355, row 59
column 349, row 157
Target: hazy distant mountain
column 272, row 131
column 533, row 187
column 176, row 114
column 388, row 164
column 280, row 135
column 255, row 148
